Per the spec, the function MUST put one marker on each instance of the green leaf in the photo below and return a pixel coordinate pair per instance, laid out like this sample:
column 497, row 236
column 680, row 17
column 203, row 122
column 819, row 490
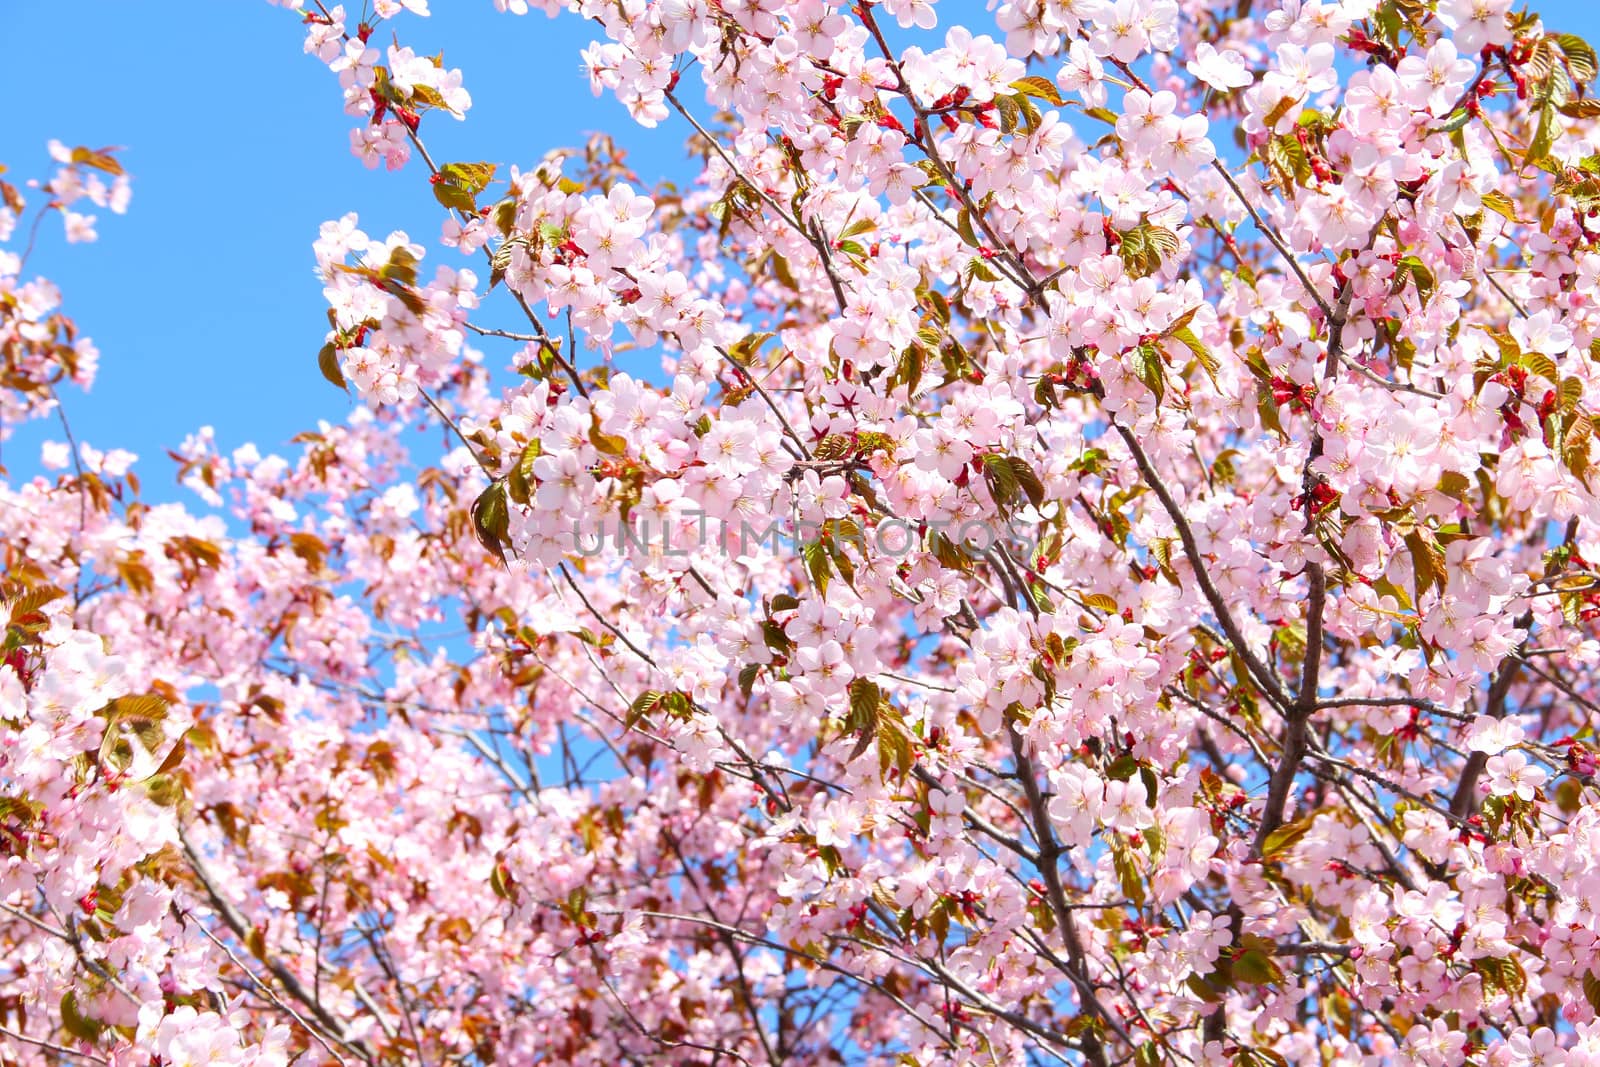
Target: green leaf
column 964, row 227
column 74, row 1022
column 1254, row 966
column 1001, row 478
column 1032, row 117
column 455, row 197
column 1502, row 973
column 858, row 227
column 1043, row 88
column 833, row 447
column 1544, row 135
column 745, row 350
column 1182, row 320
column 1149, row 367
column 491, row 519
column 678, row 705
column 175, row 757
column 1202, row 354
column 895, row 748
column 1144, row 247
column 1044, row 393
column 1008, row 113
column 608, row 444
column 747, row 677
column 1152, row 791
column 1500, row 204
column 1542, row 365
column 505, row 216
column 1510, row 351
column 1092, row 461
column 401, row 267
column 1122, row 768
column 1580, row 57
column 133, row 732
column 328, row 364
column 576, row 907
column 98, row 158
column 1202, row 988
column 1287, row 158
column 1569, row 393
column 1572, row 608
column 642, row 705
column 1419, row 274
column 520, row 481
column 1280, row 109
column 1575, row 445
column 913, row 361
column 841, row 561
column 1163, row 240
column 1284, row 837
column 1384, row 587
column 817, row 564
column 1267, row 409
column 1028, row 479
column 865, row 697
column 1455, row 485
column 1128, row 876
column 977, row 269
column 1427, row 561
column 865, row 701
column 1223, row 467
column 870, row 441
column 773, row 636
column 474, row 177
column 1041, row 600
column 502, row 883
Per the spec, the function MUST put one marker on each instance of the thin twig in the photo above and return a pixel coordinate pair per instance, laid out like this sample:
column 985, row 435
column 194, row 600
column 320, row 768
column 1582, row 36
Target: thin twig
column 60, row 1050
column 266, row 989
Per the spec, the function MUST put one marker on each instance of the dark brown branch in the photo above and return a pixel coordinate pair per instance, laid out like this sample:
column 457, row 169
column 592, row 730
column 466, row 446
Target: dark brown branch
column 240, row 927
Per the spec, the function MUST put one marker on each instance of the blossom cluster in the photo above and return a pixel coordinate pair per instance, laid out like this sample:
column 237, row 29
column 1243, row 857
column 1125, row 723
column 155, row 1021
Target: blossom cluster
column 1272, row 741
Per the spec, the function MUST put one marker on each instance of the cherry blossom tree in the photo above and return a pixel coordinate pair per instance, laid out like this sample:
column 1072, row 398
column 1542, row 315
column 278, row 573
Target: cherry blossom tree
column 1106, row 572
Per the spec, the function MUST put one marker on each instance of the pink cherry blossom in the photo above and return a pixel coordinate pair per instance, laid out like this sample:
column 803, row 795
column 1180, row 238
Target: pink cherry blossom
column 1067, row 532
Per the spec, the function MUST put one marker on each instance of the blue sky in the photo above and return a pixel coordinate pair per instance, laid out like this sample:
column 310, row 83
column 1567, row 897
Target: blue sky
column 202, row 298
